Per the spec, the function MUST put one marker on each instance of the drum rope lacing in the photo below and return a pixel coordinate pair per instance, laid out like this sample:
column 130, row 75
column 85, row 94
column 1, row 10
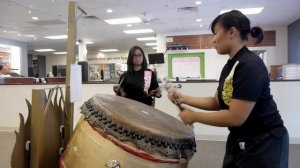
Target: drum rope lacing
column 167, row 147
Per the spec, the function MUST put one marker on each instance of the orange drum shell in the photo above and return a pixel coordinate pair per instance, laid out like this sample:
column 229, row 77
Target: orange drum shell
column 89, row 149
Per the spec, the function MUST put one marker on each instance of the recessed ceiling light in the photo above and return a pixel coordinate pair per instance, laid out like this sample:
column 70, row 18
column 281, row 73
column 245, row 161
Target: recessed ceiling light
column 199, row 20
column 109, row 50
column 201, row 25
column 44, row 50
column 198, row 2
column 151, row 44
column 57, row 37
column 123, row 20
column 59, row 53
column 129, row 25
column 138, row 31
column 34, row 18
column 146, row 38
column 246, row 11
column 154, row 48
column 109, row 10
column 4, row 31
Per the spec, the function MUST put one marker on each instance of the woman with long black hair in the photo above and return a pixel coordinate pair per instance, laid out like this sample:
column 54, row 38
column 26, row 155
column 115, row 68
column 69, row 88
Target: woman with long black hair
column 243, row 102
column 138, row 82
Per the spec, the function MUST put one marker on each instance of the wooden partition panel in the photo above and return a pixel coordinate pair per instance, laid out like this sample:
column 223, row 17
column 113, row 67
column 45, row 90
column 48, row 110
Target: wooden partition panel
column 204, row 41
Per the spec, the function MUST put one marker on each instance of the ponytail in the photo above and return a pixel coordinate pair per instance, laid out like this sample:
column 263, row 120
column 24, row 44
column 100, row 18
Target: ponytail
column 257, row 33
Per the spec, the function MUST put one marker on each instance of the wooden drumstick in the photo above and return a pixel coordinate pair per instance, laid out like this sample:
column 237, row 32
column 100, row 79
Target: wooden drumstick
column 166, row 85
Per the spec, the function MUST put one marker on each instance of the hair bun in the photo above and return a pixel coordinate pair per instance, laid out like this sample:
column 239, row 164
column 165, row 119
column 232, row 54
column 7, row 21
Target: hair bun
column 257, row 33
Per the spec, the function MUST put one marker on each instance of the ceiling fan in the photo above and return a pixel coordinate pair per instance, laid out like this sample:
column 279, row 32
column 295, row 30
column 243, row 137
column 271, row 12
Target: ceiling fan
column 148, row 20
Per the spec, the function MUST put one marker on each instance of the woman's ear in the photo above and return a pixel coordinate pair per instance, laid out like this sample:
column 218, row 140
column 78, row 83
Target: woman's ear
column 233, row 32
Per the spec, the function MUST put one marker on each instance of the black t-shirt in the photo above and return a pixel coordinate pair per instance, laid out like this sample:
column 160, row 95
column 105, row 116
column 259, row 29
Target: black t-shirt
column 246, row 77
column 133, row 86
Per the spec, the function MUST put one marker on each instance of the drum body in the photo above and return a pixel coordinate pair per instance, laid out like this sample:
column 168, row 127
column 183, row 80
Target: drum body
column 115, row 131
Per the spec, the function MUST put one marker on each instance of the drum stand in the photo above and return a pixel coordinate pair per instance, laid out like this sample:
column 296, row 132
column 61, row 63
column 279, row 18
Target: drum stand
column 40, row 140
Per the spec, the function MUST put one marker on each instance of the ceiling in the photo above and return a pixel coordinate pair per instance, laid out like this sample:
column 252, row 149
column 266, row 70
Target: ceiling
column 160, row 15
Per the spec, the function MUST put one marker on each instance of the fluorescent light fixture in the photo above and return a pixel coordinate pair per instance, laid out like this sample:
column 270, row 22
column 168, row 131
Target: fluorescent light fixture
column 28, row 35
column 146, row 38
column 198, row 20
column 129, row 25
column 201, row 25
column 44, row 50
column 59, row 53
column 109, row 10
column 154, row 48
column 198, row 2
column 109, row 50
column 34, row 18
column 89, row 42
column 246, row 11
column 57, row 37
column 151, row 44
column 123, row 20
column 138, row 31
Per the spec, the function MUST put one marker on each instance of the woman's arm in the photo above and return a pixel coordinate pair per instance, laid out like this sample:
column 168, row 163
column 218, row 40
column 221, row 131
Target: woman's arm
column 154, row 89
column 236, row 115
column 205, row 103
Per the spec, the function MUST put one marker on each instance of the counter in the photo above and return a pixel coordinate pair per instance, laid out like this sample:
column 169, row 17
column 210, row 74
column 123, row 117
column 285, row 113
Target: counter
column 286, row 95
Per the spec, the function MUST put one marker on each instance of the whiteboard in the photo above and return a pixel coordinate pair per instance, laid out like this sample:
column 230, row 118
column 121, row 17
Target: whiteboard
column 186, row 67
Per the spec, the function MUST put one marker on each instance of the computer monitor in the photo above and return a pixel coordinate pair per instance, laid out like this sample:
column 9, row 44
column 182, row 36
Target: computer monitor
column 156, row 58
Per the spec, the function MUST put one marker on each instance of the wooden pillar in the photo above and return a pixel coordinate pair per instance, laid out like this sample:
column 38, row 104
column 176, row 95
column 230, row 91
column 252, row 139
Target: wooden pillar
column 71, row 44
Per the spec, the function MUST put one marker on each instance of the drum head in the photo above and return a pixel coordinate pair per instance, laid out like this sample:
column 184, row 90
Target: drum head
column 143, row 126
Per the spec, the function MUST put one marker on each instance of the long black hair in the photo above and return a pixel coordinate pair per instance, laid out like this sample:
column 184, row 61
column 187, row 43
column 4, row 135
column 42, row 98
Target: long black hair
column 238, row 20
column 130, row 59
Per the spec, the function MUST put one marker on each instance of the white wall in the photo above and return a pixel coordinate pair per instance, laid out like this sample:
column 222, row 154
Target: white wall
column 54, row 60
column 102, row 58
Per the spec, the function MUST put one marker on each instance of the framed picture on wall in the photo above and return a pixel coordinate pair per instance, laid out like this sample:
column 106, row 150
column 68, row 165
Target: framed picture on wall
column 94, row 72
column 10, row 58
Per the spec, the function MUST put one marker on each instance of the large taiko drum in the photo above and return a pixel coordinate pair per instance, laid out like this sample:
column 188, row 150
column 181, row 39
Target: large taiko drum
column 119, row 132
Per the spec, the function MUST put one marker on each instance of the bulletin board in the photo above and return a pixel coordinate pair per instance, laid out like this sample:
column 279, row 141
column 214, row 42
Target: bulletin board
column 186, row 65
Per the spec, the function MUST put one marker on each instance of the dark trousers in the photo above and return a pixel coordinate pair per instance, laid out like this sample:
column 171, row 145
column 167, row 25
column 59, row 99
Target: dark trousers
column 269, row 150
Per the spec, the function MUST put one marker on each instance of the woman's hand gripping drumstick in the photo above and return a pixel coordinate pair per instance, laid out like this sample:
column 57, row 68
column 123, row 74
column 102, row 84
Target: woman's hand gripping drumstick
column 170, row 89
column 173, row 96
column 177, row 98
